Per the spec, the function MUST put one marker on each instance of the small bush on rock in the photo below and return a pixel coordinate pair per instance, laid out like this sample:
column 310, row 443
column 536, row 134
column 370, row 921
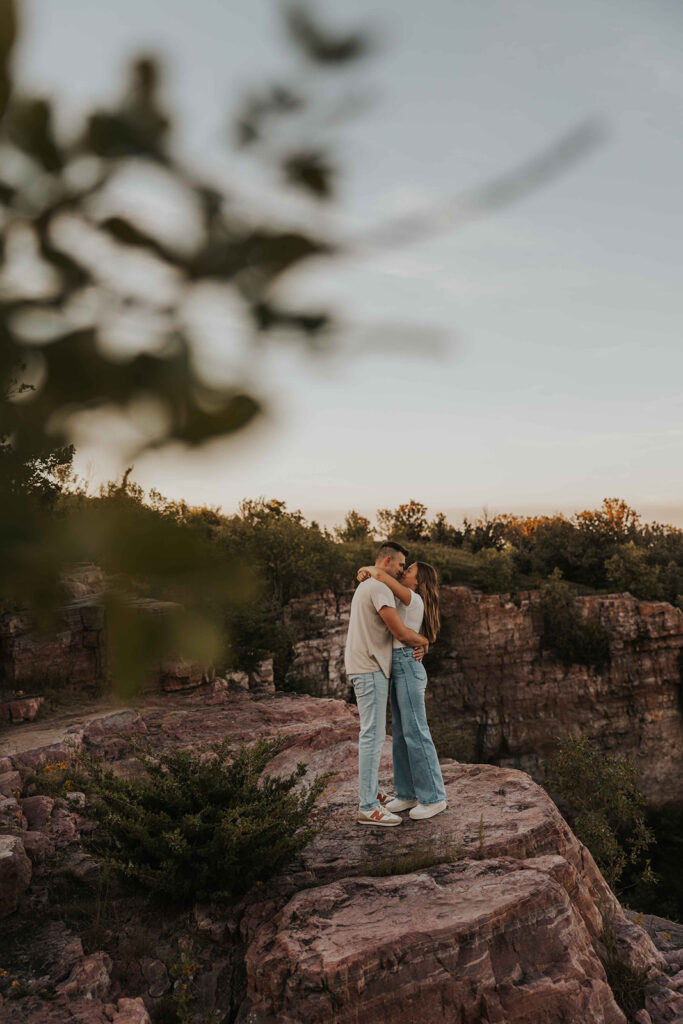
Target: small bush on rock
column 198, row 827
column 603, row 805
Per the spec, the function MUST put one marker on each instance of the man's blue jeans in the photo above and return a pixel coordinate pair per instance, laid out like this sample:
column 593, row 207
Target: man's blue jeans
column 371, row 689
column 417, row 773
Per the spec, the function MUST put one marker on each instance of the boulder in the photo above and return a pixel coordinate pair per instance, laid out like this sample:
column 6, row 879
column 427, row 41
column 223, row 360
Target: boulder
column 37, row 845
column 10, row 783
column 663, row 1003
column 37, row 810
column 54, row 753
column 180, row 674
column 236, row 679
column 496, row 941
column 22, row 709
column 76, row 798
column 15, row 873
column 90, row 977
column 262, row 677
column 131, row 1011
column 11, row 816
column 155, row 974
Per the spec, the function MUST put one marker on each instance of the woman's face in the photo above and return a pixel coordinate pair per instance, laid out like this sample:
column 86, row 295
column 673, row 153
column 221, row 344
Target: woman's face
column 409, row 577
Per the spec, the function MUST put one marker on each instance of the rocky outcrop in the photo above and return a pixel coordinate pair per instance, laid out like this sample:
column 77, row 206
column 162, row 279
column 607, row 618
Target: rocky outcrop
column 496, row 695
column 491, row 912
column 72, row 655
column 318, row 663
column 75, row 655
column 496, row 940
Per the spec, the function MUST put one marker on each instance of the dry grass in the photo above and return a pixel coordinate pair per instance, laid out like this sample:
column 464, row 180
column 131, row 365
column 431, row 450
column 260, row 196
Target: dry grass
column 403, row 862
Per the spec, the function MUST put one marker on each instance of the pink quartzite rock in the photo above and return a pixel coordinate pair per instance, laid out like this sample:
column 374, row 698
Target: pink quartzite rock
column 10, row 814
column 261, row 678
column 155, row 974
column 23, row 709
column 131, row 1011
column 37, row 810
column 37, row 846
column 10, row 783
column 50, row 754
column 178, row 674
column 15, row 873
column 119, row 722
column 89, row 978
column 74, row 1010
column 491, row 912
column 467, row 941
column 662, row 1002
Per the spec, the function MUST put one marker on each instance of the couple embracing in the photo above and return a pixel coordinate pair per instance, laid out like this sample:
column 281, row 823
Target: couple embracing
column 394, row 617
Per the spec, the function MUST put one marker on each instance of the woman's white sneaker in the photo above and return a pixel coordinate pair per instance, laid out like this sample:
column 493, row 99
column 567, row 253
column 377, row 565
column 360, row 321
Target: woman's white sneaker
column 378, row 816
column 397, row 805
column 428, row 810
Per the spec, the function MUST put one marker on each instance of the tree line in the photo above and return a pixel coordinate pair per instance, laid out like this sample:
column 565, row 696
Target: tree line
column 272, row 554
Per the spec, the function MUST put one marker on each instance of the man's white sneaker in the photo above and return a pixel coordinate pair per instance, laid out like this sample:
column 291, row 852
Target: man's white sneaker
column 378, row 816
column 428, row 810
column 397, row 805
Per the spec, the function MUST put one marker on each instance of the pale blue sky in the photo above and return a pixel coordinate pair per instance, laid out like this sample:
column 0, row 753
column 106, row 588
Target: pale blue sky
column 559, row 319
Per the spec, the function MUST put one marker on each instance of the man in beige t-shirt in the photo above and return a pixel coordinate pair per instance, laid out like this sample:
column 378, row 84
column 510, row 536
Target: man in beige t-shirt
column 373, row 624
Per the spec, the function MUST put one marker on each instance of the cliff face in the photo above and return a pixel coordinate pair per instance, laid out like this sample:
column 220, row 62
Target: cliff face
column 496, row 696
column 491, row 913
column 74, row 654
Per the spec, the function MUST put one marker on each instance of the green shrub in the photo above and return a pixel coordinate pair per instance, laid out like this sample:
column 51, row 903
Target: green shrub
column 487, row 569
column 198, row 827
column 665, row 898
column 603, row 805
column 573, row 638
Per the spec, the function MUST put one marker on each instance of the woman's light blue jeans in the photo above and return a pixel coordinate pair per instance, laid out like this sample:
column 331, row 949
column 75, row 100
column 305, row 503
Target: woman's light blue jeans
column 417, row 774
column 372, row 690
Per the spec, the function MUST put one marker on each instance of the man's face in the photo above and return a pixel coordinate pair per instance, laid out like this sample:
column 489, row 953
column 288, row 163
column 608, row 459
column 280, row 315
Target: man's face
column 395, row 566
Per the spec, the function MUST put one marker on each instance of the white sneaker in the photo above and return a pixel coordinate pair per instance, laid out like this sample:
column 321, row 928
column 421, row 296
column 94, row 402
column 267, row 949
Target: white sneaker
column 428, row 810
column 378, row 816
column 397, row 805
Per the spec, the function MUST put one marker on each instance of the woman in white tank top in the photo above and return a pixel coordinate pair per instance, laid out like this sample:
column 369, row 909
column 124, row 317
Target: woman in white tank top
column 417, row 774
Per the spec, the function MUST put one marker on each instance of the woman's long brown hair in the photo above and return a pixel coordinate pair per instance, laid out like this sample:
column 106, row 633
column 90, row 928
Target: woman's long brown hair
column 428, row 589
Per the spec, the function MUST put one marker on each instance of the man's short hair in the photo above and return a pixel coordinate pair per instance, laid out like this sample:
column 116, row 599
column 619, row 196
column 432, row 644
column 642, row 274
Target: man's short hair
column 389, row 550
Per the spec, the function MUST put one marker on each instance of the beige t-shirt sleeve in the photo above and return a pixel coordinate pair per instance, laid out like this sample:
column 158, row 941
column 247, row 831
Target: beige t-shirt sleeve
column 380, row 595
